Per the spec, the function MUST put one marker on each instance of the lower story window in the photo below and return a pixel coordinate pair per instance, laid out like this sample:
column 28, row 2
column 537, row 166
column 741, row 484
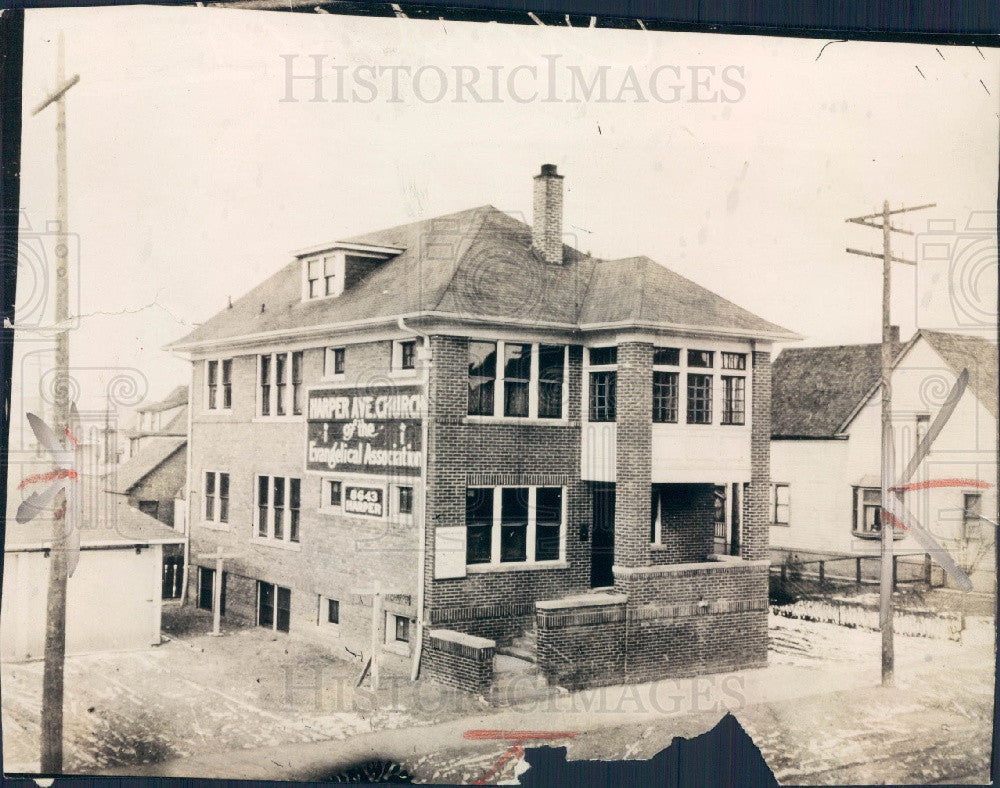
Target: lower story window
column 274, row 606
column 779, row 504
column 402, row 633
column 206, row 589
column 507, row 525
column 867, row 510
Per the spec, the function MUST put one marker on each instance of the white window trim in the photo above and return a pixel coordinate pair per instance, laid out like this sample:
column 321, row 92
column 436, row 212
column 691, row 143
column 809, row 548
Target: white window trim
column 585, row 383
column 219, row 396
column 269, row 540
column 215, row 523
column 396, row 358
column 393, row 507
column 495, row 564
column 533, row 387
column 324, row 507
column 328, row 357
column 273, row 394
column 773, row 503
column 339, row 259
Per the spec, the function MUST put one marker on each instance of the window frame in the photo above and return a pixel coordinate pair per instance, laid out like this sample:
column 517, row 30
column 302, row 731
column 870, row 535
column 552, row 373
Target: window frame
column 775, row 503
column 331, row 354
column 731, row 386
column 495, row 562
column 216, row 521
column 274, row 394
column 709, row 398
column 267, row 537
column 216, row 393
column 534, row 383
column 859, row 507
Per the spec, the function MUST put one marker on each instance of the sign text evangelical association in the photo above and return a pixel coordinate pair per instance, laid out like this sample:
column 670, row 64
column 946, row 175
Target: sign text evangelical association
column 370, row 430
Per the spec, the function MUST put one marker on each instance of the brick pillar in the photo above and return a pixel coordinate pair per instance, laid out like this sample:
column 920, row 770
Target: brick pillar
column 755, row 522
column 447, row 406
column 633, row 453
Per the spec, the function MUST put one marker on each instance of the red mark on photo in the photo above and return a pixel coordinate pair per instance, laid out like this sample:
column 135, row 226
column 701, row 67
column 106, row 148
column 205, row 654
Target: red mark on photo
column 62, row 473
column 935, row 483
column 516, row 738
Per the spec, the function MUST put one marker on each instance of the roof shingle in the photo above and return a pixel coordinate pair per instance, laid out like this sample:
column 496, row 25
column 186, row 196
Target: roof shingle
column 480, row 262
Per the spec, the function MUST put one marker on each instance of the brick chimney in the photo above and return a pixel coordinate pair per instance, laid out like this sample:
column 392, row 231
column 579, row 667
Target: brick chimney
column 546, row 230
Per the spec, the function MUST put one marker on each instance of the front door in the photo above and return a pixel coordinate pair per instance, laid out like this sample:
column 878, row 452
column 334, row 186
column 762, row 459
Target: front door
column 602, row 541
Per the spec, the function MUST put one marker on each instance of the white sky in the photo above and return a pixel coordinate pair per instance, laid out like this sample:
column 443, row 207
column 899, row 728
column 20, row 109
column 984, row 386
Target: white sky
column 190, row 181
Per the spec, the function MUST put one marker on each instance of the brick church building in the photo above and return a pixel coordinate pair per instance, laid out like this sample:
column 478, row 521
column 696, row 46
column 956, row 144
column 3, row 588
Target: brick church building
column 446, row 436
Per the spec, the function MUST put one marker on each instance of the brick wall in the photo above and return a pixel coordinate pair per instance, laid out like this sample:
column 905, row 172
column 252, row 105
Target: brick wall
column 753, row 545
column 163, row 485
column 687, row 524
column 633, row 458
column 464, row 452
column 675, row 621
column 458, row 660
column 337, row 557
column 581, row 641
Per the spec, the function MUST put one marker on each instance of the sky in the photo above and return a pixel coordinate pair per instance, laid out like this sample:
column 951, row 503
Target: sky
column 191, row 180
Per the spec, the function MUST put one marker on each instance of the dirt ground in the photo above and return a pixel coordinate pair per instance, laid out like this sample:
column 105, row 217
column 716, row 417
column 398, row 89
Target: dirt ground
column 255, row 704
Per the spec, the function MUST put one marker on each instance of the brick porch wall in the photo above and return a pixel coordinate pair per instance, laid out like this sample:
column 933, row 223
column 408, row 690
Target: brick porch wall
column 633, row 453
column 458, row 660
column 753, row 545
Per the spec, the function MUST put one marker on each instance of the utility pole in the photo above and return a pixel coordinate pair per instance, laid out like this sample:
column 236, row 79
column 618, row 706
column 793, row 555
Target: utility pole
column 55, row 614
column 888, row 451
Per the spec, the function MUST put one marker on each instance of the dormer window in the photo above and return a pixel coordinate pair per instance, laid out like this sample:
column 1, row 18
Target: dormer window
column 325, row 276
column 329, row 270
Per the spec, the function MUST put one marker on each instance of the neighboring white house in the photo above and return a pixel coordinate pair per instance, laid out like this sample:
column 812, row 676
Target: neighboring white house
column 114, row 596
column 825, row 452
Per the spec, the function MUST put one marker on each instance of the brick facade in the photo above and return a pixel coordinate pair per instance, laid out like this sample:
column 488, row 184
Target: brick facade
column 687, row 531
column 338, row 557
column 463, row 452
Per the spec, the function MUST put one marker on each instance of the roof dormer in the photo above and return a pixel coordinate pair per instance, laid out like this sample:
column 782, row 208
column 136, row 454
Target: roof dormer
column 330, row 269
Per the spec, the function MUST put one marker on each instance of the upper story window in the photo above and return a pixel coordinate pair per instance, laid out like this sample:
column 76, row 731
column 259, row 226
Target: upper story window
column 699, row 398
column 733, row 399
column 666, row 384
column 404, row 354
column 219, row 384
column 280, row 390
column 325, row 276
column 333, row 362
column 700, row 358
column 736, row 361
column 278, row 508
column 530, row 379
column 602, row 383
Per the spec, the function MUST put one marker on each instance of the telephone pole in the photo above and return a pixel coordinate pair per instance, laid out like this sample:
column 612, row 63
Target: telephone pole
column 888, row 451
column 55, row 614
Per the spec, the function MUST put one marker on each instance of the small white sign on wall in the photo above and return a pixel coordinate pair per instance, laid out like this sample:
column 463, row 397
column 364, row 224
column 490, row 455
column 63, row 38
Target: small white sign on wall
column 449, row 552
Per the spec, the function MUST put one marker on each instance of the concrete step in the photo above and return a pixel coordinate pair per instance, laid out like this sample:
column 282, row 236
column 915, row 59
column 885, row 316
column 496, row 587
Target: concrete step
column 519, row 652
column 518, row 681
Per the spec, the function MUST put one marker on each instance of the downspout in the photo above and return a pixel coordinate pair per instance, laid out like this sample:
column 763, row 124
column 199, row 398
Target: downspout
column 425, row 356
column 187, row 492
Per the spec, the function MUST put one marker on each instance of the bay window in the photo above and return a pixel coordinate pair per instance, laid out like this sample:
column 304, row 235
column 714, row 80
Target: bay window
column 699, row 398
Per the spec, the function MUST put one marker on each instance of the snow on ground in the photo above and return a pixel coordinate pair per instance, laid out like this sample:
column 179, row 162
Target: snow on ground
column 817, row 711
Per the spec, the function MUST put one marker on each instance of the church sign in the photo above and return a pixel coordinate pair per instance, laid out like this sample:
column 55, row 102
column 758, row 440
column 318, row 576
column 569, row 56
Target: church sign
column 371, row 430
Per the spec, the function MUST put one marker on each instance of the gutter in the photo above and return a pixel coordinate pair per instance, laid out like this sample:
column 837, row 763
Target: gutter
column 426, row 357
column 185, row 573
column 305, row 332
